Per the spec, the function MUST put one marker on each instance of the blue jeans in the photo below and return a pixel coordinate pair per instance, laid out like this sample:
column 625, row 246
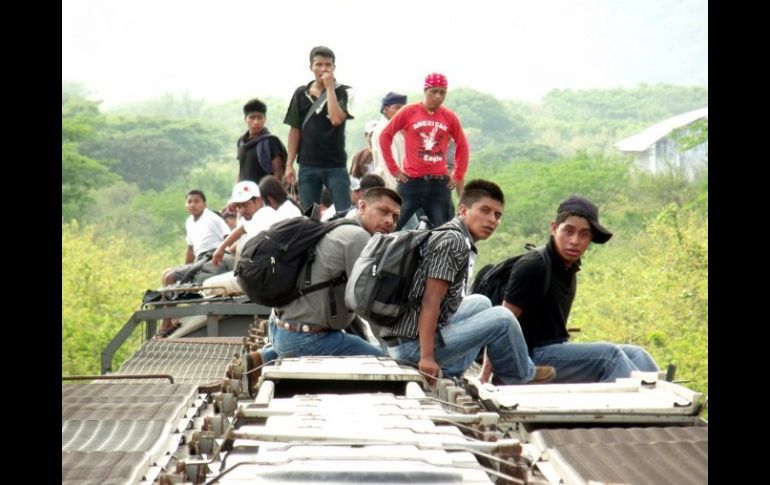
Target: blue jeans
column 593, row 362
column 298, row 344
column 475, row 325
column 433, row 196
column 313, row 179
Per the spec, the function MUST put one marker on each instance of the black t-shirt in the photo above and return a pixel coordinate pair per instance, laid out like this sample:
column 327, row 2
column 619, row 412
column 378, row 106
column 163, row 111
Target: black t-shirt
column 544, row 317
column 321, row 144
column 251, row 165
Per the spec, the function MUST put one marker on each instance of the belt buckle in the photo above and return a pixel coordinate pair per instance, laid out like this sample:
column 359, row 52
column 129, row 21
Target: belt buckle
column 305, row 328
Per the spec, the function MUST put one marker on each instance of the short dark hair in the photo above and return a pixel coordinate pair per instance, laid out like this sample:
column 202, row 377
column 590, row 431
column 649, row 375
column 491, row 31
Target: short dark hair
column 376, row 193
column 271, row 188
column 254, row 105
column 476, row 189
column 371, row 180
column 195, row 192
column 323, row 51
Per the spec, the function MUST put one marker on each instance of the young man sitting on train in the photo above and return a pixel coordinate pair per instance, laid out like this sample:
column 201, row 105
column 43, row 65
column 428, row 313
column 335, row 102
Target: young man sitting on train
column 543, row 315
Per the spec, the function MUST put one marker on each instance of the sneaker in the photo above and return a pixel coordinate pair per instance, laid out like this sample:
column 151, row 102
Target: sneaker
column 253, row 359
column 543, row 374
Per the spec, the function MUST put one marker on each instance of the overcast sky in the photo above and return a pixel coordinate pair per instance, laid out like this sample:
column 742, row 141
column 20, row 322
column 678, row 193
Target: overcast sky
column 126, row 50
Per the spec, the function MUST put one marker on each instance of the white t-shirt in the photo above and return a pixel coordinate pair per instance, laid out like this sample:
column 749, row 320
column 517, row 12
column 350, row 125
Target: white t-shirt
column 287, row 210
column 206, row 233
column 261, row 220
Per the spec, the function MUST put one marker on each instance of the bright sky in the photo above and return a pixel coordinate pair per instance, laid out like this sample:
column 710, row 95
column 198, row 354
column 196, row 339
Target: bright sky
column 126, row 50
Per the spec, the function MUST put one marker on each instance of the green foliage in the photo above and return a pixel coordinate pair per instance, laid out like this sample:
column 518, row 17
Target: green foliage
column 534, row 190
column 595, row 119
column 650, row 288
column 80, row 174
column 692, row 135
column 102, row 284
column 153, row 151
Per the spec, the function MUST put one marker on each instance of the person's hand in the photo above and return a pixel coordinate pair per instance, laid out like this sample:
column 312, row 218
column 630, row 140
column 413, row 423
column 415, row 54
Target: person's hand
column 429, row 367
column 486, row 370
column 401, row 176
column 219, row 254
column 289, row 177
column 328, row 79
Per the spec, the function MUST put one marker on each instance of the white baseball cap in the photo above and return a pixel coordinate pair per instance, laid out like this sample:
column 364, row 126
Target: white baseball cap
column 244, row 191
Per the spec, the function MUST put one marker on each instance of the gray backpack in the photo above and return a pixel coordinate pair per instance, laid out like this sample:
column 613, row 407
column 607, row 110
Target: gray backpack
column 378, row 287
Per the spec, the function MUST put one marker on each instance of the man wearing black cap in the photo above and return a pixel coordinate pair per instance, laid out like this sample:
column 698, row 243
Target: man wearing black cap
column 391, row 103
column 543, row 312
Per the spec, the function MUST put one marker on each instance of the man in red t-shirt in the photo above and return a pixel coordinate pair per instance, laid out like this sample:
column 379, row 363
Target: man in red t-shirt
column 425, row 180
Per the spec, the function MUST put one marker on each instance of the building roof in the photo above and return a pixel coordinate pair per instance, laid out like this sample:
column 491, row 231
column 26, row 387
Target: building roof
column 645, row 139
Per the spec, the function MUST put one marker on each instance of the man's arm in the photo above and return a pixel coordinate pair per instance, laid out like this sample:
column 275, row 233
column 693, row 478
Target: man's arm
column 220, row 252
column 291, row 149
column 278, row 168
column 336, row 114
column 189, row 257
column 386, row 141
column 435, row 290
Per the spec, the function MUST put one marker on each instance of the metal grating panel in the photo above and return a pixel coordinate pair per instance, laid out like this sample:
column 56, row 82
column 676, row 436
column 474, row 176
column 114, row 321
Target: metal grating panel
column 670, row 455
column 193, row 360
column 112, row 433
column 100, row 468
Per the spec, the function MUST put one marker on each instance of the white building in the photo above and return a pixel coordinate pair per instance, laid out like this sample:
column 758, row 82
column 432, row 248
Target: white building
column 656, row 150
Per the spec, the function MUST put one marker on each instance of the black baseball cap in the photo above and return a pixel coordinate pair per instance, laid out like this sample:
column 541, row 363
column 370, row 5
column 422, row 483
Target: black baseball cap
column 585, row 208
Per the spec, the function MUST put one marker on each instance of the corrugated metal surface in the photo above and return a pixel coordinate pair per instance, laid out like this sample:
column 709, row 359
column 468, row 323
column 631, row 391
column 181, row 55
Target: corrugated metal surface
column 190, row 360
column 102, row 468
column 654, row 456
column 118, row 430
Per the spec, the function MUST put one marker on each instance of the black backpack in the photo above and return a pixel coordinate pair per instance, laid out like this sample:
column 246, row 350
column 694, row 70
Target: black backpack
column 492, row 279
column 271, row 262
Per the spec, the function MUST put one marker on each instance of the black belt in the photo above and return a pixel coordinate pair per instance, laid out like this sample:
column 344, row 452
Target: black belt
column 430, row 178
column 394, row 341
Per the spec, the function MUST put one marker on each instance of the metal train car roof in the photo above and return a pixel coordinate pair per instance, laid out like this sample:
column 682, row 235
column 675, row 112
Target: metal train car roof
column 169, row 415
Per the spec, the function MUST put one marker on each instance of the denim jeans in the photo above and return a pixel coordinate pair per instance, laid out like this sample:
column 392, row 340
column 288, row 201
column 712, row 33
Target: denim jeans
column 433, row 196
column 298, row 344
column 313, row 179
column 593, row 362
column 475, row 325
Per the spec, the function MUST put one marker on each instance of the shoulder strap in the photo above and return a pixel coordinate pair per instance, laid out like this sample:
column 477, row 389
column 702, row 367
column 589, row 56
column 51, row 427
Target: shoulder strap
column 547, row 260
column 316, row 106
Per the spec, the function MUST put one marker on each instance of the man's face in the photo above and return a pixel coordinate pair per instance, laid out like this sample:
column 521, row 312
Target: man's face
column 321, row 65
column 390, row 110
column 572, row 238
column 255, row 121
column 249, row 208
column 482, row 217
column 379, row 216
column 195, row 205
column 434, row 97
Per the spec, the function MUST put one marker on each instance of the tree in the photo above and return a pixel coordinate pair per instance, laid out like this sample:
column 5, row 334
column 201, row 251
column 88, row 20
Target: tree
column 153, row 151
column 80, row 174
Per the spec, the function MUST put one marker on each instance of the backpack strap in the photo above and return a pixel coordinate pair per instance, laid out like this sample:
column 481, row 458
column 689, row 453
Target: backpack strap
column 547, row 260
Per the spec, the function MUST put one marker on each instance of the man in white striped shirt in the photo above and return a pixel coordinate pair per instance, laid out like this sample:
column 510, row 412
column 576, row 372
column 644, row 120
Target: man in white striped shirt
column 443, row 329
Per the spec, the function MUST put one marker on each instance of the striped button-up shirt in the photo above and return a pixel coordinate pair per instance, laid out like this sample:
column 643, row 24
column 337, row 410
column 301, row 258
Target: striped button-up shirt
column 443, row 257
